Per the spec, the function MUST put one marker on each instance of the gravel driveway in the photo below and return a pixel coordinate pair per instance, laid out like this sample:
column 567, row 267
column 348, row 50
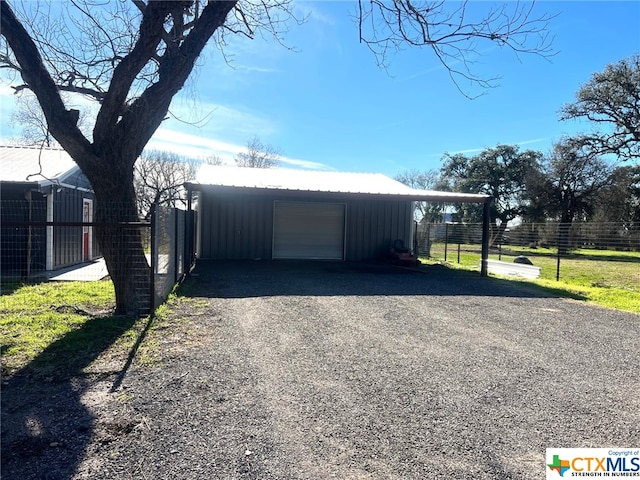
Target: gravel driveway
column 323, row 370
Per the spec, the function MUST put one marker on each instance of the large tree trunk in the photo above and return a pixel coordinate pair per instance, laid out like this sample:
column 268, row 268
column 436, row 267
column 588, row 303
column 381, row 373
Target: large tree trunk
column 120, row 244
column 123, row 252
column 564, row 228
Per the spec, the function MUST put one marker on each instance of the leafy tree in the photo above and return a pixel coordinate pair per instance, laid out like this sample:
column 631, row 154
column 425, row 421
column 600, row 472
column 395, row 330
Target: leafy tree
column 567, row 185
column 611, row 101
column 500, row 172
column 159, row 177
column 617, row 207
column 258, row 155
column 620, row 201
column 133, row 57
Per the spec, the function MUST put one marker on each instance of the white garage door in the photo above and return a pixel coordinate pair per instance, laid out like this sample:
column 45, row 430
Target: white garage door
column 308, row 230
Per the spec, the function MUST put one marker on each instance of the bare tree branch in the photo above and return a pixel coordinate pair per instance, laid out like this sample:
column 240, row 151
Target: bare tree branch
column 258, row 155
column 159, row 179
column 452, row 33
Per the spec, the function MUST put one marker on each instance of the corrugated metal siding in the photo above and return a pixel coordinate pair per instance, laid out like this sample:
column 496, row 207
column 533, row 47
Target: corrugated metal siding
column 235, row 226
column 77, row 179
column 14, row 240
column 373, row 225
column 240, row 226
column 67, row 241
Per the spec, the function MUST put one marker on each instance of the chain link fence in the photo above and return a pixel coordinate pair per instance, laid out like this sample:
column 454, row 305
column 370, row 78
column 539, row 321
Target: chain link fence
column 34, row 248
column 562, row 250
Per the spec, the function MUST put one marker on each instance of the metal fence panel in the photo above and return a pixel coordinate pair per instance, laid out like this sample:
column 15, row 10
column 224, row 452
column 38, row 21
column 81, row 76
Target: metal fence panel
column 33, row 249
column 172, row 249
column 578, row 241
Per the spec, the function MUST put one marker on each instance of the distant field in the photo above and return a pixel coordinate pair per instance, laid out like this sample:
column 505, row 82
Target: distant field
column 605, row 277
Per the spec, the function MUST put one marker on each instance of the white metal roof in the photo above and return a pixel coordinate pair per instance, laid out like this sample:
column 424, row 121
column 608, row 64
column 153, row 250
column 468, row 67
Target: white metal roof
column 322, row 181
column 33, row 164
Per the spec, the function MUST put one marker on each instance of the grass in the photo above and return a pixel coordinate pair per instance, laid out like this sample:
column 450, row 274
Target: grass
column 602, row 277
column 55, row 330
column 59, row 326
column 55, row 327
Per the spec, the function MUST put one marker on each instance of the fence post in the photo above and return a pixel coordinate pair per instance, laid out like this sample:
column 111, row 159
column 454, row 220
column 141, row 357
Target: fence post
column 176, row 267
column 152, row 262
column 446, row 239
column 484, row 268
column 563, row 245
column 185, row 241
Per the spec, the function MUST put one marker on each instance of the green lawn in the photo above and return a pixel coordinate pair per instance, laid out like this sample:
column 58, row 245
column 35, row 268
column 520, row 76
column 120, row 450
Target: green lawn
column 58, row 325
column 604, row 277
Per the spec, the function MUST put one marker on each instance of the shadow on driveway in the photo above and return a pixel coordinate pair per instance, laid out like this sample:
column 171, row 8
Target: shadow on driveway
column 320, row 278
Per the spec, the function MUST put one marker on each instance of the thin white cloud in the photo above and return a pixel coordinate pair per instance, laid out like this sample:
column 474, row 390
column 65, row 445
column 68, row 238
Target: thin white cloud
column 535, row 140
column 192, row 145
column 200, row 147
column 217, row 120
column 468, row 150
column 305, row 164
column 480, row 149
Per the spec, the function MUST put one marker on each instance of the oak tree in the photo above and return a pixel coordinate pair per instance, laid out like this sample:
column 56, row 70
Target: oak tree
column 501, row 172
column 567, row 185
column 610, row 101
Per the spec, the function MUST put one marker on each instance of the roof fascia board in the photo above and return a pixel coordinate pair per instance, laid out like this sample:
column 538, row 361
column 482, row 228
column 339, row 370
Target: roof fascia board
column 443, row 197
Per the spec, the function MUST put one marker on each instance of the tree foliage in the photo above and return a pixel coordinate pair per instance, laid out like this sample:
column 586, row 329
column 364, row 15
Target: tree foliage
column 568, row 183
column 501, row 172
column 258, row 155
column 620, row 201
column 610, row 100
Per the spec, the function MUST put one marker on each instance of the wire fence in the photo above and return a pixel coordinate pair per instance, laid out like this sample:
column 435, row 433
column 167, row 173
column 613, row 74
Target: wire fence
column 35, row 247
column 609, row 252
column 172, row 249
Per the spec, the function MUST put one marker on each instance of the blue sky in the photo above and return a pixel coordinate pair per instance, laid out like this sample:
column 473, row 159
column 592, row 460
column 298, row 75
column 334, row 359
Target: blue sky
column 327, row 105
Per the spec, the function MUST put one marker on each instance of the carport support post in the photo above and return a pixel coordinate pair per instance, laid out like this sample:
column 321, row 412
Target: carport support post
column 485, row 237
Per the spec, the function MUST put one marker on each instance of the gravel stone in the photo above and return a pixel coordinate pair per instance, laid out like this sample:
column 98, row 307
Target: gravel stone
column 302, row 370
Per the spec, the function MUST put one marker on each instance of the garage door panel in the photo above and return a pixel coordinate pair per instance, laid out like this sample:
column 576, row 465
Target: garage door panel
column 308, row 230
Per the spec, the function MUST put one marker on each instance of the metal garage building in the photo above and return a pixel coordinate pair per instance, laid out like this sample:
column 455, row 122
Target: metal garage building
column 251, row 213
